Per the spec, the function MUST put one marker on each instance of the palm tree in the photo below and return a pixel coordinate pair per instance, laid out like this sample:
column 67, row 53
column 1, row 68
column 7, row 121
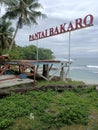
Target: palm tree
column 6, row 32
column 5, row 2
column 1, row 2
column 25, row 11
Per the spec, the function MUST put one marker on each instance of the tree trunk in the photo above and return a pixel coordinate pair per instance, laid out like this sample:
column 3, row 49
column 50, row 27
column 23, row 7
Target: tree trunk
column 46, row 70
column 13, row 39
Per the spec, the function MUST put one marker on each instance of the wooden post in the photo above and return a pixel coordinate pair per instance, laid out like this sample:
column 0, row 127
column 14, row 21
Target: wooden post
column 46, row 70
column 62, row 73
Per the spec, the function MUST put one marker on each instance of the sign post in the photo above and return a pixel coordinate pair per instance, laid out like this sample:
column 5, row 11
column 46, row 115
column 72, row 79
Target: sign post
column 78, row 23
column 69, row 54
column 37, row 57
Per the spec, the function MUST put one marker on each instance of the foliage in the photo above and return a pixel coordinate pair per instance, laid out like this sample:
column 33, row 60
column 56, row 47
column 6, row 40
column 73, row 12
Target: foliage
column 6, row 32
column 26, row 12
column 52, row 110
column 45, row 54
column 29, row 53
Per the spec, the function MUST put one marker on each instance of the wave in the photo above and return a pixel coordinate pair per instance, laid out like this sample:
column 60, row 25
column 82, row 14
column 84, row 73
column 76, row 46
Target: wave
column 95, row 72
column 92, row 66
column 77, row 67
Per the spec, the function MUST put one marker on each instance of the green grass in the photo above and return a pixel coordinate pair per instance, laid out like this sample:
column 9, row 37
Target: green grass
column 68, row 110
column 67, row 82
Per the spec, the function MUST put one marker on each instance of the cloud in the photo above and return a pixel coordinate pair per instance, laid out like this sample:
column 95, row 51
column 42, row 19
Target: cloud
column 83, row 42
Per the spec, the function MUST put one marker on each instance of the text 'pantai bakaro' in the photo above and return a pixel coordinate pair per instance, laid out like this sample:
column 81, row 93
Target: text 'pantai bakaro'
column 78, row 23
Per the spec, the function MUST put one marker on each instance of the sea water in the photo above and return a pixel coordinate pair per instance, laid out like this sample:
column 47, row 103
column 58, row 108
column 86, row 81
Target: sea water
column 84, row 69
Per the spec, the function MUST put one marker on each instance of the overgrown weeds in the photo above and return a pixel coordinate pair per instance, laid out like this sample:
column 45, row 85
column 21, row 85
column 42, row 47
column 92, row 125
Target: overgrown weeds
column 51, row 110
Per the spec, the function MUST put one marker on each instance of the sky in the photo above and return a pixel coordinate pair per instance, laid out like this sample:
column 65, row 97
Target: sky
column 83, row 42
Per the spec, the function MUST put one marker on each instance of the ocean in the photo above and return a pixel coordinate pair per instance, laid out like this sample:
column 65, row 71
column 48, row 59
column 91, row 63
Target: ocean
column 81, row 69
column 84, row 69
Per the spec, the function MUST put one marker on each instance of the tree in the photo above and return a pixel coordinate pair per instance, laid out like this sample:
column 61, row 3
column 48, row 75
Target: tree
column 6, row 32
column 25, row 11
column 30, row 53
column 5, row 2
column 1, row 2
column 45, row 54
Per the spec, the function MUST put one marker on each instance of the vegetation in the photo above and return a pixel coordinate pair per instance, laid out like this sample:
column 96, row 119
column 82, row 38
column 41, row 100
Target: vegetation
column 26, row 12
column 6, row 31
column 51, row 110
column 29, row 52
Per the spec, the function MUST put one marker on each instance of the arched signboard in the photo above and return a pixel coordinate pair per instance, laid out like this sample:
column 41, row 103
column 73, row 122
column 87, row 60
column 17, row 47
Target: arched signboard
column 79, row 23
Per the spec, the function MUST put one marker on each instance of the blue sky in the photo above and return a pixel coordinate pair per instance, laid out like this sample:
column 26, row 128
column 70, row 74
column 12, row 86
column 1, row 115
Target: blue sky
column 84, row 42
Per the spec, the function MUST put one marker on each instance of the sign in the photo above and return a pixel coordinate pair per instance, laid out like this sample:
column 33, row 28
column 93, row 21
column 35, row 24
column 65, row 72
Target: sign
column 79, row 23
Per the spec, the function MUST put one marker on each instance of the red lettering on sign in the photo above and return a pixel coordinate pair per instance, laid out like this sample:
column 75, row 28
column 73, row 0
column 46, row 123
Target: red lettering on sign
column 31, row 37
column 51, row 31
column 42, row 35
column 88, row 20
column 56, row 31
column 62, row 28
column 79, row 23
column 46, row 34
column 38, row 35
column 70, row 27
